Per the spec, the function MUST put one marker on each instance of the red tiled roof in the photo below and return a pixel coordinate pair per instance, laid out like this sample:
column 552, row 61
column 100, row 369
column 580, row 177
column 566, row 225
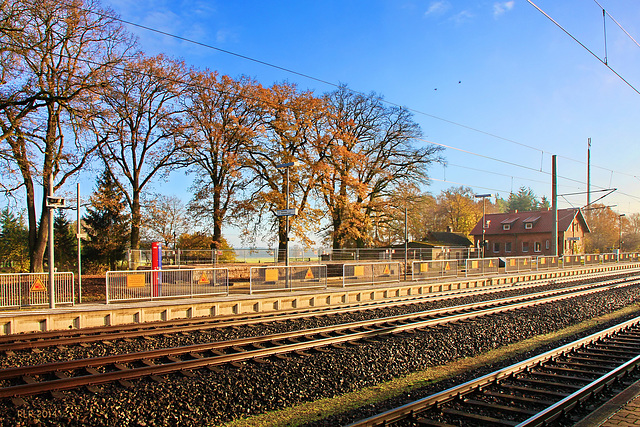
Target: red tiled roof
column 543, row 222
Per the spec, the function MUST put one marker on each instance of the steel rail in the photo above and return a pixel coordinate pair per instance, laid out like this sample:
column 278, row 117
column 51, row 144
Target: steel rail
column 314, row 338
column 413, row 409
column 42, row 340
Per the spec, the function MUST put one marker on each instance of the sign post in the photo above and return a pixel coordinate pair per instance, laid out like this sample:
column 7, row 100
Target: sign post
column 156, row 266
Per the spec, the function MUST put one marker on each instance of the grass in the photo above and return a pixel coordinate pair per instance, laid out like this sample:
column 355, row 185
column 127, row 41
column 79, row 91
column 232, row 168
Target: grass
column 323, row 408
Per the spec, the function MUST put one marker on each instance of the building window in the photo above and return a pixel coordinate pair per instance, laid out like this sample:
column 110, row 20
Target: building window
column 506, row 226
column 528, row 225
column 525, row 246
column 546, row 245
column 496, row 247
column 507, row 247
column 537, row 247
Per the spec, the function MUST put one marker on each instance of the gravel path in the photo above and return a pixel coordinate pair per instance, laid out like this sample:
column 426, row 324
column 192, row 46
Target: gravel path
column 213, row 397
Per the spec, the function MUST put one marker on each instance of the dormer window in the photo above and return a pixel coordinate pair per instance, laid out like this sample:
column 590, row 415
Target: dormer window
column 530, row 222
column 506, row 224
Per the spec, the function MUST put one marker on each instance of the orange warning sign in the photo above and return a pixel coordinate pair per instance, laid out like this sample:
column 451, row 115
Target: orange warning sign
column 309, row 274
column 386, row 270
column 524, row 261
column 490, row 263
column 358, row 270
column 136, row 281
column 271, row 275
column 37, row 286
column 543, row 260
column 424, row 267
column 447, row 267
column 203, row 280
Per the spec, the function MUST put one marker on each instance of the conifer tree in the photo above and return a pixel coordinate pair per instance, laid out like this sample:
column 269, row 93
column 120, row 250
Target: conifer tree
column 106, row 224
column 65, row 244
column 14, row 249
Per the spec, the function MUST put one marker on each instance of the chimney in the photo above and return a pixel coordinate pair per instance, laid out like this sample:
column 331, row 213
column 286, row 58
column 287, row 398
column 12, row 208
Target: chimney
column 449, row 229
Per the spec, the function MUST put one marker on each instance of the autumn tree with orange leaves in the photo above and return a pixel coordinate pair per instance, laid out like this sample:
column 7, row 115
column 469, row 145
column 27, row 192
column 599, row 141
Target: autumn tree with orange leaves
column 293, row 131
column 223, row 124
column 54, row 56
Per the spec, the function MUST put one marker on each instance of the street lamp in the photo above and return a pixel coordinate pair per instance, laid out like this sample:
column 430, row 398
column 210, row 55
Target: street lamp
column 287, row 212
column 484, row 222
column 620, row 236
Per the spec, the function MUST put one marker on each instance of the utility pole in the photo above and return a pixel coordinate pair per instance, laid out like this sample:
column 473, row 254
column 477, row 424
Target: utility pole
column 554, row 207
column 589, row 172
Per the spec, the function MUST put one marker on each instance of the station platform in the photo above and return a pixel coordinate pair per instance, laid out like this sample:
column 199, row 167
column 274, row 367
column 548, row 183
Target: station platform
column 621, row 411
column 240, row 301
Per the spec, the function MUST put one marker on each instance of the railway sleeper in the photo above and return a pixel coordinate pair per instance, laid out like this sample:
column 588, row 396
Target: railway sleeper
column 518, row 398
column 575, row 370
column 478, row 418
column 552, row 384
column 536, row 391
column 561, row 377
column 498, row 407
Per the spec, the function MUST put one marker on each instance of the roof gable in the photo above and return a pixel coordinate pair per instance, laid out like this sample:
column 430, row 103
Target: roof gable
column 542, row 222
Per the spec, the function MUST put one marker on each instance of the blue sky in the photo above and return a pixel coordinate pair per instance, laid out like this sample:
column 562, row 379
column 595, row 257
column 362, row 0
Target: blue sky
column 496, row 81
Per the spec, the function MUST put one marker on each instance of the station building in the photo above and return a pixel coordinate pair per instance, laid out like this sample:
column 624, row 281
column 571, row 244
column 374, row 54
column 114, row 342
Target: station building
column 530, row 233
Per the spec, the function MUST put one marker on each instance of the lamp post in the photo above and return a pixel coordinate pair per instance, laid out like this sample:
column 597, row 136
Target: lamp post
column 484, row 222
column 287, row 212
column 620, row 235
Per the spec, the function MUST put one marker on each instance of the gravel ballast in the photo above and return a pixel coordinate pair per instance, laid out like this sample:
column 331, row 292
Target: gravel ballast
column 214, row 397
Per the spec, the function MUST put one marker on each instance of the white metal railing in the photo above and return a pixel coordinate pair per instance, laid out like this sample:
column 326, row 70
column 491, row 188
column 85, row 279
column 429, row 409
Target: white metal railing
column 29, row 289
column 421, row 270
column 372, row 272
column 547, row 262
column 518, row 264
column 292, row 277
column 166, row 283
column 482, row 266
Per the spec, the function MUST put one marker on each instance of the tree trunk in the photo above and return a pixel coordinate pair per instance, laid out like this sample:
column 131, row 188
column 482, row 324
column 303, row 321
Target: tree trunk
column 135, row 221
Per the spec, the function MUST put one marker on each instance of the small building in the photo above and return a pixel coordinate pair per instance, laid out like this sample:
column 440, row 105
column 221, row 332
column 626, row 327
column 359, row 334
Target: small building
column 530, row 233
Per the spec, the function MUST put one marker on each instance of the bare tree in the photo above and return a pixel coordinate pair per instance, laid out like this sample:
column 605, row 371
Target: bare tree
column 51, row 69
column 372, row 154
column 140, row 128
column 166, row 219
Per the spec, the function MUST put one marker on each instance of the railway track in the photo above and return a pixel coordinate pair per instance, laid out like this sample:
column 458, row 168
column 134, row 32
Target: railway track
column 22, row 381
column 535, row 392
column 11, row 343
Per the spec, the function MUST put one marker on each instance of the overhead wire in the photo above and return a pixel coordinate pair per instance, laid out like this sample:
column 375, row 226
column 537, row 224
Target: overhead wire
column 585, row 47
column 265, row 63
column 323, row 81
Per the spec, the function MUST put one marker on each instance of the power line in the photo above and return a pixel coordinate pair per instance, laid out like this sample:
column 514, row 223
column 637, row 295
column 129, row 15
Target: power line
column 190, row 84
column 585, row 47
column 269, row 64
column 617, row 23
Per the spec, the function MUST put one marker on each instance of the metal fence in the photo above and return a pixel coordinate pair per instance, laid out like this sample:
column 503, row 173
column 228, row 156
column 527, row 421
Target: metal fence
column 292, row 277
column 32, row 289
column 421, row 270
column 166, row 283
column 482, row 266
column 372, row 272
column 547, row 262
column 518, row 264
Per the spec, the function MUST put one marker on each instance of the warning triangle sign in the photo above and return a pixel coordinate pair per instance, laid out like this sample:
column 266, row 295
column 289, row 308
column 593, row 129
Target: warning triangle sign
column 203, row 280
column 37, row 286
column 490, row 263
column 309, row 274
column 386, row 270
column 525, row 261
column 447, row 267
